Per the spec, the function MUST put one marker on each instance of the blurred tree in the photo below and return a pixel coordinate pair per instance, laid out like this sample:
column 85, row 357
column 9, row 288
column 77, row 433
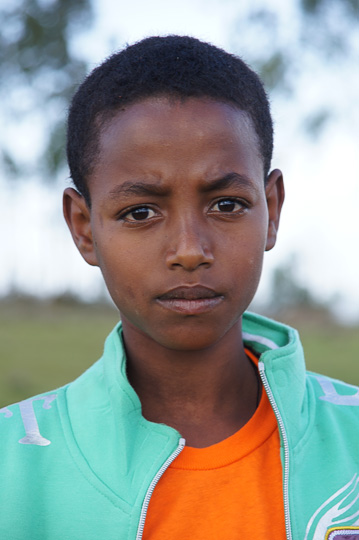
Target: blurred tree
column 290, row 300
column 291, row 44
column 286, row 291
column 40, row 66
column 38, row 71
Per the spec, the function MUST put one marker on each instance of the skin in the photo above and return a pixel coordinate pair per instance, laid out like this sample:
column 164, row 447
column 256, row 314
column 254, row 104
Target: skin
column 178, row 202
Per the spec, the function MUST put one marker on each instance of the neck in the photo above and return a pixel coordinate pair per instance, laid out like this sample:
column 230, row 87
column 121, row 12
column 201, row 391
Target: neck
column 207, row 395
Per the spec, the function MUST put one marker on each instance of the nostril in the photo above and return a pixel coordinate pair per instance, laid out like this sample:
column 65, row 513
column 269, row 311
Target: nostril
column 189, row 259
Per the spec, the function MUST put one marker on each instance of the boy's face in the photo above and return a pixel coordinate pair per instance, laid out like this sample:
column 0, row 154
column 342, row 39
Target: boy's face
column 180, row 218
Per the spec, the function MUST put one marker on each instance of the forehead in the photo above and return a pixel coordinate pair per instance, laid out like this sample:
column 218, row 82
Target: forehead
column 163, row 136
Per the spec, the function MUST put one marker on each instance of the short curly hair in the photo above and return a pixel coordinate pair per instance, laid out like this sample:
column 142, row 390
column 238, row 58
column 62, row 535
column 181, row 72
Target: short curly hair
column 173, row 66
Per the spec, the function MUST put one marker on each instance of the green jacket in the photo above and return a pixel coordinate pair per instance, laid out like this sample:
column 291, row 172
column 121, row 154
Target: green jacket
column 80, row 463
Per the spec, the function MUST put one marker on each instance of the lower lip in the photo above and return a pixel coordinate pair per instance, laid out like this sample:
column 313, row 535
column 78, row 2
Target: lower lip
column 191, row 307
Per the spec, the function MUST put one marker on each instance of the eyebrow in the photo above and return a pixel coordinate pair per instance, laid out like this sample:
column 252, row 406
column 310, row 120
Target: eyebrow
column 231, row 179
column 140, row 188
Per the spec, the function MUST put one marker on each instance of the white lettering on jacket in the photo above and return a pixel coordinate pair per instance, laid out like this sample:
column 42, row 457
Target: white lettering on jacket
column 32, row 431
column 331, row 395
column 5, row 411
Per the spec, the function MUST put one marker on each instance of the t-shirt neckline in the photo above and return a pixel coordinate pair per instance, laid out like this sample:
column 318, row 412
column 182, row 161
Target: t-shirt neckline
column 235, row 447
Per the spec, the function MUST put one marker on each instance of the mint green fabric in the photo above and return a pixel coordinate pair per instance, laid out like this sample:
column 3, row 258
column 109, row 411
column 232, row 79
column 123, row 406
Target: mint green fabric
column 87, row 456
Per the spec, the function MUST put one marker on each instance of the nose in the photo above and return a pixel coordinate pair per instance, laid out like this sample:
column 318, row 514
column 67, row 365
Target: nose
column 189, row 246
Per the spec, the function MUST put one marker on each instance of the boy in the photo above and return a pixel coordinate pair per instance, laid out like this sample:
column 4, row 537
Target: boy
column 199, row 421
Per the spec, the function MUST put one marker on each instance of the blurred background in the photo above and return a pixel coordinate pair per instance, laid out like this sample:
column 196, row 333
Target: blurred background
column 54, row 310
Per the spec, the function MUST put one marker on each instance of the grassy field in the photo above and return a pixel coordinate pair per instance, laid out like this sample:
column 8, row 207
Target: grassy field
column 43, row 346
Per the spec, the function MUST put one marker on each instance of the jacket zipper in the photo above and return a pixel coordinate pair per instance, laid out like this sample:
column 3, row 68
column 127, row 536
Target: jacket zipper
column 152, row 486
column 286, row 448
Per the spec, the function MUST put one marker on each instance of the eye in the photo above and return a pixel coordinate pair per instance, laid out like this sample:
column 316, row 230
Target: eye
column 229, row 206
column 141, row 213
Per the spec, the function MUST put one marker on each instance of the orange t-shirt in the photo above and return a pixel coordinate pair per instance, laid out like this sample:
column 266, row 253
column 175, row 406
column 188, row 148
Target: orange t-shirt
column 230, row 490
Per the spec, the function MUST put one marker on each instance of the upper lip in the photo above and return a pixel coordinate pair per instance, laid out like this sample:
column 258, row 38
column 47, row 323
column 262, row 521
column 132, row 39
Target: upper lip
column 187, row 292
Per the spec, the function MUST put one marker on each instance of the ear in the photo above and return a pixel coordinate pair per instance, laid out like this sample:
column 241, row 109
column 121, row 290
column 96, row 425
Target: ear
column 78, row 218
column 275, row 198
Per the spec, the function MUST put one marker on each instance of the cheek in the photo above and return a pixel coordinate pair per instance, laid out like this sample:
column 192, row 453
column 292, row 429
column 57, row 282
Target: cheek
column 246, row 257
column 123, row 268
column 255, row 268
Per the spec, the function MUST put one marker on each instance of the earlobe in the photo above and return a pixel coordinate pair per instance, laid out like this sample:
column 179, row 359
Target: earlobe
column 275, row 199
column 78, row 218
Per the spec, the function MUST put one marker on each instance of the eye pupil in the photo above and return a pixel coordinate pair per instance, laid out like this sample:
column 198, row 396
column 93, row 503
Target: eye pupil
column 140, row 213
column 226, row 206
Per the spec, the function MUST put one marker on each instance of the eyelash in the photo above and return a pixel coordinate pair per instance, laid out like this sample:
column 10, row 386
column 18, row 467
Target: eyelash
column 231, row 200
column 123, row 215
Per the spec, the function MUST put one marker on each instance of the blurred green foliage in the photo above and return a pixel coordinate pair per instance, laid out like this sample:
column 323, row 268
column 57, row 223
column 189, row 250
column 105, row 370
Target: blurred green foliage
column 293, row 46
column 36, row 54
column 326, row 28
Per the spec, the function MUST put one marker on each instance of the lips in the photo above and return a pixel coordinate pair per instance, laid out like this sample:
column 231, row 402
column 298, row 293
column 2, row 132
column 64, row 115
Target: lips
column 190, row 300
column 189, row 293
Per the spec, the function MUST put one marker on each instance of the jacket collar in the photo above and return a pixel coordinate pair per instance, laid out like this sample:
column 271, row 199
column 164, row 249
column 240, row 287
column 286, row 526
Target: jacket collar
column 281, row 352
